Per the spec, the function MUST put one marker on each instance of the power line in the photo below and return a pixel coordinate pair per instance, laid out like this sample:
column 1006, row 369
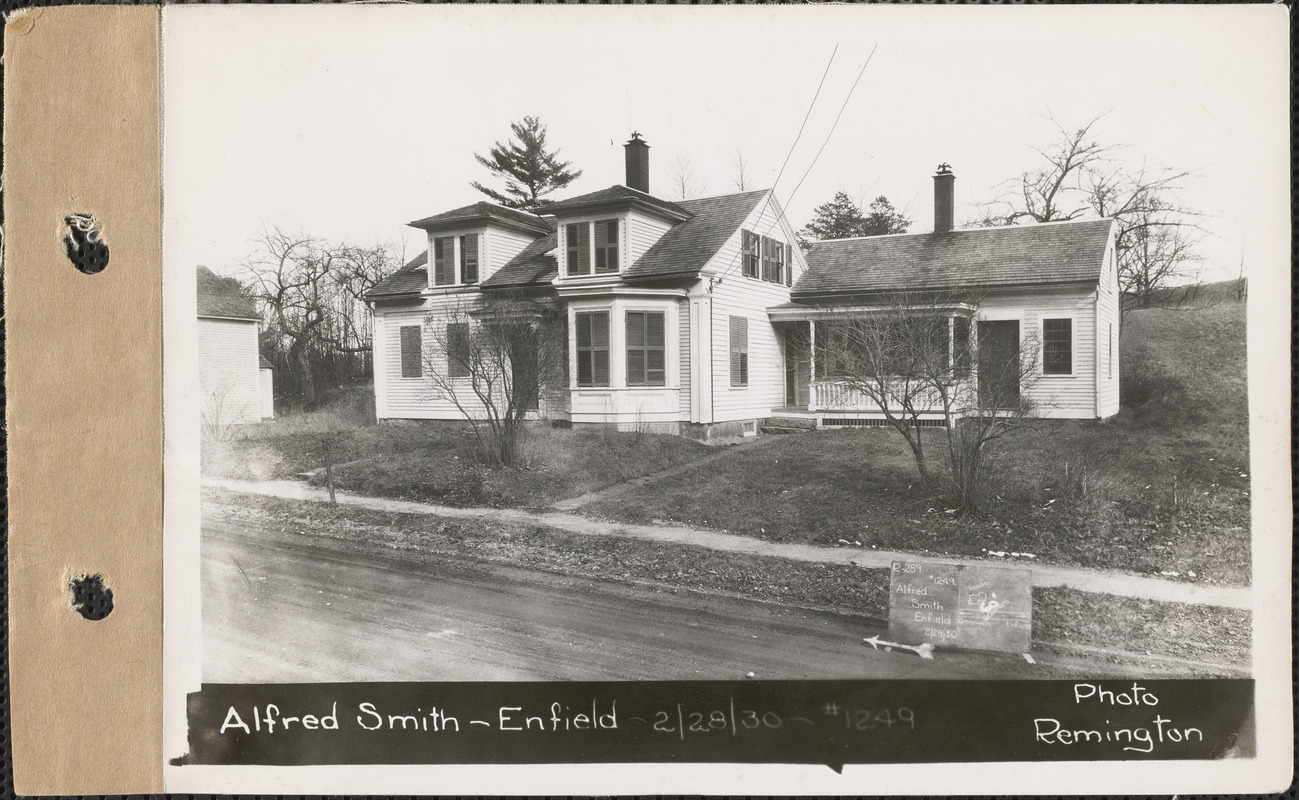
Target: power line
column 787, row 156
column 835, row 124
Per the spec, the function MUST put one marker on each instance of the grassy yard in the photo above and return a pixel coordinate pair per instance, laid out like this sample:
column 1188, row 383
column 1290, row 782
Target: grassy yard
column 438, row 462
column 1125, row 629
column 1162, row 488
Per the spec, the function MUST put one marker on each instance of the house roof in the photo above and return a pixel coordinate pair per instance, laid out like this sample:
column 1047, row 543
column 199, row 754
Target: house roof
column 534, row 265
column 687, row 247
column 224, row 297
column 410, row 279
column 482, row 213
column 1049, row 253
column 616, row 195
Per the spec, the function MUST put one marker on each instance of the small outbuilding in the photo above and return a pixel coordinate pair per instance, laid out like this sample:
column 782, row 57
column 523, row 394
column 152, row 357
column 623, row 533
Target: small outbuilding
column 236, row 384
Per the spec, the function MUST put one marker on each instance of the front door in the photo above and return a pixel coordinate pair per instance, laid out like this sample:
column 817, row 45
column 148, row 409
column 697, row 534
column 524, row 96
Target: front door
column 798, row 366
column 999, row 363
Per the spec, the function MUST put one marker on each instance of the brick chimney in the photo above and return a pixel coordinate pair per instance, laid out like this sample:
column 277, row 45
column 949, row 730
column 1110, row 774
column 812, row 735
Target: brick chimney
column 944, row 182
column 637, row 163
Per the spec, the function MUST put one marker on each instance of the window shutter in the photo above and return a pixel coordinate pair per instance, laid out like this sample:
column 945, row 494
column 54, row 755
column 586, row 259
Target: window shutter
column 789, row 266
column 739, row 351
column 443, row 266
column 578, row 241
column 600, row 348
column 411, row 347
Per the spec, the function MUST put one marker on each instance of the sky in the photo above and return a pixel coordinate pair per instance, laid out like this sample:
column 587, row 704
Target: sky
column 347, row 122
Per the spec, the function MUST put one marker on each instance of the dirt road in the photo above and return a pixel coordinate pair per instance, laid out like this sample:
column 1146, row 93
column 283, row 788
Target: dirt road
column 282, row 605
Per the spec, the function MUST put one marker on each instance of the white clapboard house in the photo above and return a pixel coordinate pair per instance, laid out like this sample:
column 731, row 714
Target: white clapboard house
column 235, row 382
column 699, row 316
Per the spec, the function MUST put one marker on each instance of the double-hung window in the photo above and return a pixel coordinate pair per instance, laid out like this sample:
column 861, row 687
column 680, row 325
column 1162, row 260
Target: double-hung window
column 458, row 350
column 411, row 347
column 750, row 253
column 645, row 349
column 444, row 264
column 469, row 258
column 1057, row 347
column 739, row 351
column 592, row 337
column 606, row 246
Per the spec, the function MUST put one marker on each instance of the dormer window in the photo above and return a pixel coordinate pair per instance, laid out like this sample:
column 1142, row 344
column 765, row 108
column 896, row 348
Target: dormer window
column 446, row 258
column 581, row 258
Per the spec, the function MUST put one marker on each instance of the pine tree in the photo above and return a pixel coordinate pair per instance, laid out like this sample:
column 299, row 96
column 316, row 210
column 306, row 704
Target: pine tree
column 530, row 170
column 841, row 218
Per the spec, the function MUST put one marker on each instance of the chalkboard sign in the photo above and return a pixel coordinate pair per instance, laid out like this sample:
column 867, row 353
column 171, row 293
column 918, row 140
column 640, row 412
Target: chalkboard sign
column 972, row 607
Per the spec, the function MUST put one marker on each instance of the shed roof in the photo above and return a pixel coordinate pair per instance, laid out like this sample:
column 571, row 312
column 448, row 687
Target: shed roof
column 224, row 297
column 687, row 247
column 533, row 266
column 410, row 279
column 1028, row 255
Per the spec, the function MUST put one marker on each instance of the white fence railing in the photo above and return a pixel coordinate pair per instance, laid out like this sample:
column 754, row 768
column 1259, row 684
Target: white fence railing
column 828, row 394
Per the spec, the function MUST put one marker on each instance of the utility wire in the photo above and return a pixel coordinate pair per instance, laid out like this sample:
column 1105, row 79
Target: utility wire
column 788, row 155
column 835, row 124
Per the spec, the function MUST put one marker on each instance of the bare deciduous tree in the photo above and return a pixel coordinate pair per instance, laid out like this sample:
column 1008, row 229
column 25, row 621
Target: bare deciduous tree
column 310, row 292
column 494, row 358
column 683, row 180
column 740, row 172
column 924, row 361
column 1080, row 177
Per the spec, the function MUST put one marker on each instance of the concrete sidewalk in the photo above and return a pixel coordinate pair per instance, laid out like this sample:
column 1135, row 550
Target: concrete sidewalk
column 1123, row 584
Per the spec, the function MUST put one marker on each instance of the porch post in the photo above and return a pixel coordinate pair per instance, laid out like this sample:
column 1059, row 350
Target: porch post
column 811, row 378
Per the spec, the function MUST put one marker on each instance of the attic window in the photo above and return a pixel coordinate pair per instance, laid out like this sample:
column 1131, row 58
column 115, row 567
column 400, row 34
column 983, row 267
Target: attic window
column 764, row 258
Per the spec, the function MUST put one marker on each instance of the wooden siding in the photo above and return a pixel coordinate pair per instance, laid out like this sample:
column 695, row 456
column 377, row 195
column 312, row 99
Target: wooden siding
column 642, row 232
column 228, row 368
column 1107, row 339
column 740, row 296
column 413, row 398
column 500, row 246
column 1060, row 396
column 684, row 343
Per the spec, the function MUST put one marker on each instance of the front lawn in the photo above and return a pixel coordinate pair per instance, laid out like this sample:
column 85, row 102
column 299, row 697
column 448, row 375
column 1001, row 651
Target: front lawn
column 1163, row 488
column 439, row 462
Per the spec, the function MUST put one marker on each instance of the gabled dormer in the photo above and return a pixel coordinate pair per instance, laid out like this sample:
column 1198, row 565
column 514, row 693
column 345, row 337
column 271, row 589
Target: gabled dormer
column 467, row 245
column 603, row 233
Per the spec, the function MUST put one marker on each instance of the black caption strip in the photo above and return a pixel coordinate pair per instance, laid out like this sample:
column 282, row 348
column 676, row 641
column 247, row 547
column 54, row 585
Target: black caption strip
column 792, row 722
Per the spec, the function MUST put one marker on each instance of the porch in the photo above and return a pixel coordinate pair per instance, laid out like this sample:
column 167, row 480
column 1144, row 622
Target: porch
column 844, row 365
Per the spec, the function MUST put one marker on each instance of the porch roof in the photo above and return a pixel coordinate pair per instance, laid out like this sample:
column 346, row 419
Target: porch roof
column 802, row 312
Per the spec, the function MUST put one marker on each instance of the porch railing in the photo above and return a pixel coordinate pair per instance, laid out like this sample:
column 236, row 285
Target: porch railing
column 828, row 394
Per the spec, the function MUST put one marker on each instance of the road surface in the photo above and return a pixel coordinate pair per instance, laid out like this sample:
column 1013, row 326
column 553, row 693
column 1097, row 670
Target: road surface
column 282, row 605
